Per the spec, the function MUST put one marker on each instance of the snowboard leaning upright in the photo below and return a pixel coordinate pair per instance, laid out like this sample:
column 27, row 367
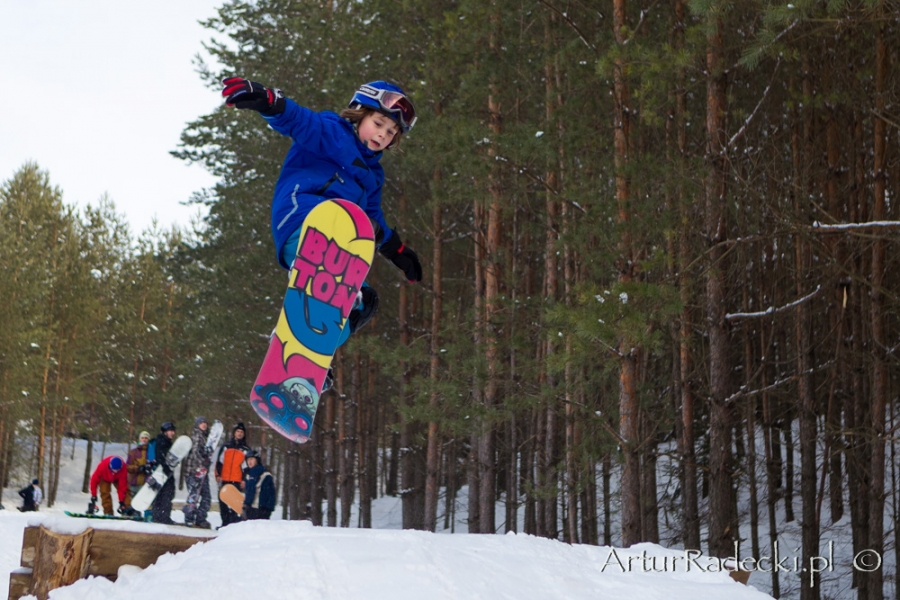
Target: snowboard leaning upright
column 214, row 437
column 181, row 447
column 335, row 251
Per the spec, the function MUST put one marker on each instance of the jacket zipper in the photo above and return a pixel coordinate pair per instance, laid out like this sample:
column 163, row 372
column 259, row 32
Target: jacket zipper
column 328, row 183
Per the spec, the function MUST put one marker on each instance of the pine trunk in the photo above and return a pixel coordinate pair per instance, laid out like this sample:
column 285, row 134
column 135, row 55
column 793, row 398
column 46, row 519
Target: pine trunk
column 721, row 501
column 432, row 456
column 881, row 377
column 629, row 406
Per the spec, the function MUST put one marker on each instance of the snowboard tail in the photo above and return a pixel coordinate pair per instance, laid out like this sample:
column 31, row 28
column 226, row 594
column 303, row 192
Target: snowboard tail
column 334, row 254
column 233, row 497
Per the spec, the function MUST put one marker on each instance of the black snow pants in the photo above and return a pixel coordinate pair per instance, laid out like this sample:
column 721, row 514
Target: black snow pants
column 162, row 504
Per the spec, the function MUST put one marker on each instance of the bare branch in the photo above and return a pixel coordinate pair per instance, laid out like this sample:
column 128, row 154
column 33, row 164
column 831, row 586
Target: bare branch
column 771, row 310
column 839, row 227
column 740, row 132
column 743, row 391
column 570, row 23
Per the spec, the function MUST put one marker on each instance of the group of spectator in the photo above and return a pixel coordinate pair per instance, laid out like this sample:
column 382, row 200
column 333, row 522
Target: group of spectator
column 236, row 463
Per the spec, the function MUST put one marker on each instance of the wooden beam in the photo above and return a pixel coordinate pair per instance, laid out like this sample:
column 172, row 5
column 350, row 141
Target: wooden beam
column 29, row 543
column 19, row 583
column 59, row 559
column 112, row 548
column 50, row 560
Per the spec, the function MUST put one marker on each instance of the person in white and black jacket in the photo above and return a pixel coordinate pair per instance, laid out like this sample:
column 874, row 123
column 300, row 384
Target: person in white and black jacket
column 31, row 496
column 259, row 489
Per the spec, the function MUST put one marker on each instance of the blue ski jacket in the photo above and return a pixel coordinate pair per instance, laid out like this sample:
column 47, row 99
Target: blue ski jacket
column 326, row 160
column 266, row 492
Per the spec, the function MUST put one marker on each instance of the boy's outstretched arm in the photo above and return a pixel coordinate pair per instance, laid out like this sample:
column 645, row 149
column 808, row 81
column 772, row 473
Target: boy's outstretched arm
column 246, row 94
column 282, row 114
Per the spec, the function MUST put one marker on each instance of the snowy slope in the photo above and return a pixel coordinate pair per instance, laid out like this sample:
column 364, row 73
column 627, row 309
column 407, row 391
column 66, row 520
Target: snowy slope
column 281, row 559
column 290, row 559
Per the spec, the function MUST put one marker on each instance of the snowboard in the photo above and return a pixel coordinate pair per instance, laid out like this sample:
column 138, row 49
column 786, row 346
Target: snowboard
column 216, row 433
column 137, row 517
column 181, row 447
column 233, row 497
column 334, row 254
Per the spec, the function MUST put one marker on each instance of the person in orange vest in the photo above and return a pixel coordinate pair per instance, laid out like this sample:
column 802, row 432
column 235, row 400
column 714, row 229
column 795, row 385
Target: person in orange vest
column 230, row 469
column 111, row 470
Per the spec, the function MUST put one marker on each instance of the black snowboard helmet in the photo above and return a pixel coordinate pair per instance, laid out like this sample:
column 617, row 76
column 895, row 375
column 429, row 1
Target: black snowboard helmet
column 167, row 426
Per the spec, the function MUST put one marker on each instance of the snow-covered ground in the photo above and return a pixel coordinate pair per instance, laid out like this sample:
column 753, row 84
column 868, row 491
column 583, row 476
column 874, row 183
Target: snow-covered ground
column 292, row 559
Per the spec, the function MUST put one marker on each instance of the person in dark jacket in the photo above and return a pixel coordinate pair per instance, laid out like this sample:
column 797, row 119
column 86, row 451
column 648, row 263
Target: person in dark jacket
column 259, row 489
column 162, row 504
column 196, row 469
column 31, row 496
column 230, row 469
column 334, row 156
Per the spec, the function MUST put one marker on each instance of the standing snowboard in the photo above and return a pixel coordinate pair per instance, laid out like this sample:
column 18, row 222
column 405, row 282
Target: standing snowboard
column 335, row 251
column 181, row 447
column 216, row 433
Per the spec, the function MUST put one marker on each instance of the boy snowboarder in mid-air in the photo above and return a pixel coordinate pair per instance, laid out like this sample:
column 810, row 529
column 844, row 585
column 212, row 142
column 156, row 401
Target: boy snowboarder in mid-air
column 334, row 156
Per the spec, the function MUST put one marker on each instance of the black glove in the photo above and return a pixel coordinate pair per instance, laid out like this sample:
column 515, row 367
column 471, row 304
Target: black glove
column 243, row 93
column 92, row 505
column 404, row 258
column 147, row 469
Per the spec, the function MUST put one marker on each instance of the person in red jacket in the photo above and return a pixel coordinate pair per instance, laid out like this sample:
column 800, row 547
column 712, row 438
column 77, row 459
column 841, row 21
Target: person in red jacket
column 111, row 470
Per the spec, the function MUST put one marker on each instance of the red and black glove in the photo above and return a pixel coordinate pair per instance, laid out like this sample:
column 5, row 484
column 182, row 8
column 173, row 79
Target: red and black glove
column 243, row 93
column 404, row 258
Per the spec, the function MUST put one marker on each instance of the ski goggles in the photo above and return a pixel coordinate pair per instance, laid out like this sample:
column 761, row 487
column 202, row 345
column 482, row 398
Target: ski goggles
column 394, row 103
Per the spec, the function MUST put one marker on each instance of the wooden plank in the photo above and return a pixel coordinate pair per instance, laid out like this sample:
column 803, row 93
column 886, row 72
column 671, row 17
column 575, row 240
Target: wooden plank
column 29, row 543
column 60, row 559
column 110, row 549
column 19, row 583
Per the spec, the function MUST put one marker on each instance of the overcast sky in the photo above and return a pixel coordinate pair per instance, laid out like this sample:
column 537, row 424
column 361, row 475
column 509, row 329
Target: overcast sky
column 97, row 92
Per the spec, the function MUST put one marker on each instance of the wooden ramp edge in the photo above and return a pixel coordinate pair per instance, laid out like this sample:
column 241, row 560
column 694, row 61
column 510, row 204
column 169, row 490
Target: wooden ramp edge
column 51, row 560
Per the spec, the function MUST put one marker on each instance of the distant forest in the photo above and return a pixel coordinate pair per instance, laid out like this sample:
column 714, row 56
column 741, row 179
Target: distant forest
column 657, row 239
